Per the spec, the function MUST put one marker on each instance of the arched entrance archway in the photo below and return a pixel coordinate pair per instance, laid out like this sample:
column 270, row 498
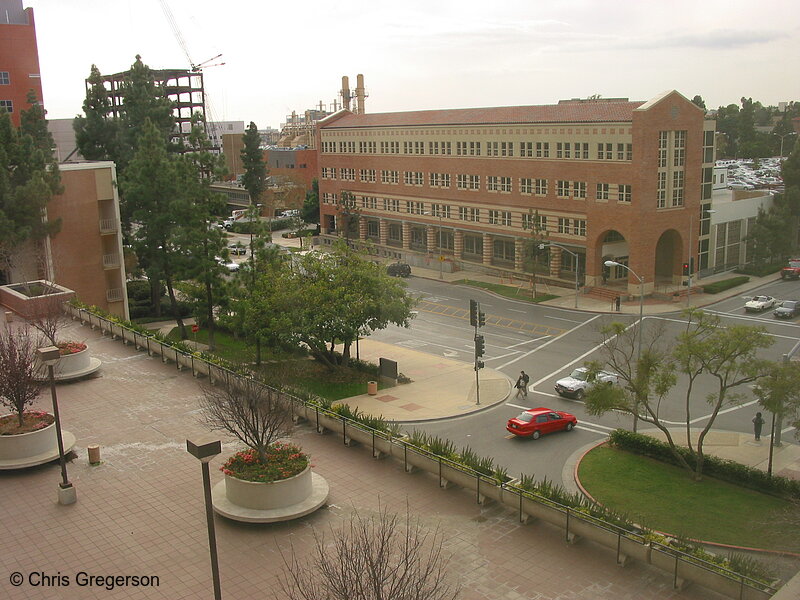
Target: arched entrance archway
column 613, row 246
column 669, row 251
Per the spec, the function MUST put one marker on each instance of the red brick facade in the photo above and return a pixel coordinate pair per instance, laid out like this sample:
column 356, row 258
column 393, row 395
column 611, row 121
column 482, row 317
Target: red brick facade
column 583, row 198
column 19, row 63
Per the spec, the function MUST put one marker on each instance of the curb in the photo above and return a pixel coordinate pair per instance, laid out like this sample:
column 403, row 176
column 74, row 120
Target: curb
column 672, row 535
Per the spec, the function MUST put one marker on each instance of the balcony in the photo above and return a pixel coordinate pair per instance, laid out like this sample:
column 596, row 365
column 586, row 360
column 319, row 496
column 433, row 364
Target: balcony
column 114, row 295
column 108, row 226
column 111, row 261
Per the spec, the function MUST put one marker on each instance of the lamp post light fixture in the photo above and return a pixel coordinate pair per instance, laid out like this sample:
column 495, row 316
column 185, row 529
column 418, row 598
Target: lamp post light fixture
column 575, row 254
column 783, row 137
column 613, row 263
column 49, row 356
column 204, row 452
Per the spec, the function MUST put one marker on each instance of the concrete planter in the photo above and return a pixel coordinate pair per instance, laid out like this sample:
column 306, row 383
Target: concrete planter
column 72, row 366
column 33, row 448
column 266, row 496
column 255, row 502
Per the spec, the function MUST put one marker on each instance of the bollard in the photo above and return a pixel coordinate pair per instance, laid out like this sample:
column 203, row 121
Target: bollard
column 94, row 454
column 9, row 316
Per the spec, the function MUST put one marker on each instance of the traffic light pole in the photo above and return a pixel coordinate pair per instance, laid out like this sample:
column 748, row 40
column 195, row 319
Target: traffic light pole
column 477, row 319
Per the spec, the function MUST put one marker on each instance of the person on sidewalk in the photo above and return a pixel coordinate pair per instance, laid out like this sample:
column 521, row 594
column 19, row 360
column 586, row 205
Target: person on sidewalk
column 522, row 384
column 758, row 423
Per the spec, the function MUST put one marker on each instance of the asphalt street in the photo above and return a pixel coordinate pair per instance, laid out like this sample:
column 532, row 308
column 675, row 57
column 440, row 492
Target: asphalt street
column 547, row 343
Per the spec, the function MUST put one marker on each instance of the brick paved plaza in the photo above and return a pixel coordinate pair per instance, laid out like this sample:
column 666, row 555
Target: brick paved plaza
column 141, row 511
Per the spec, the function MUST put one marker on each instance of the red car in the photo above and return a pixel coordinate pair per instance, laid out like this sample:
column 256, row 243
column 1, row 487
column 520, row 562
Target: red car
column 536, row 421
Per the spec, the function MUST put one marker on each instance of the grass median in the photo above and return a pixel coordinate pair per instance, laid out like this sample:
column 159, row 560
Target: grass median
column 517, row 292
column 664, row 497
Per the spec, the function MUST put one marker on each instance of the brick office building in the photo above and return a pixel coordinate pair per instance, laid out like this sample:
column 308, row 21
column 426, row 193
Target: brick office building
column 605, row 178
column 19, row 58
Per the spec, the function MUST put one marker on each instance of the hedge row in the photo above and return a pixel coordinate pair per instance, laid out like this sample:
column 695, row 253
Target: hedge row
column 713, row 466
column 760, row 270
column 724, row 284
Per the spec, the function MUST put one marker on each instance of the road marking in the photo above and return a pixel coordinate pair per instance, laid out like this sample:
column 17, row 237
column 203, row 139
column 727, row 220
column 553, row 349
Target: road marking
column 505, row 322
column 524, row 312
column 547, row 343
column 584, row 428
column 561, row 319
column 528, row 341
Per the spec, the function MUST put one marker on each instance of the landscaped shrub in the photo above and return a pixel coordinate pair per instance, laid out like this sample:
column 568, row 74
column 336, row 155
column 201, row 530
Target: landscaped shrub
column 760, row 270
column 713, row 466
column 725, row 284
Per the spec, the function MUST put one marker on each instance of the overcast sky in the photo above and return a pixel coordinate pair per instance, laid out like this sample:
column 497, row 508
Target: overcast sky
column 287, row 55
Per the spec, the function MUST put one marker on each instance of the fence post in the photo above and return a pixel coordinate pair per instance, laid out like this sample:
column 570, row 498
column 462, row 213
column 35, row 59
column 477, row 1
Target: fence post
column 566, row 535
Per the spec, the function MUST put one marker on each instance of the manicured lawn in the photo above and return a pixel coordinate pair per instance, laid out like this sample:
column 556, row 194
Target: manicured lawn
column 663, row 497
column 518, row 293
column 285, row 369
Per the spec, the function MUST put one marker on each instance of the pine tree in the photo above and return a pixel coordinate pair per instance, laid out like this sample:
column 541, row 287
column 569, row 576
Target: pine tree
column 255, row 170
column 97, row 134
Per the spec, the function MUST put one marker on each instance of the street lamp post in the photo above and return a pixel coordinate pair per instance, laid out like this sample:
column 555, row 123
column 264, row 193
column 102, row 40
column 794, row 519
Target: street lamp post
column 204, row 453
column 438, row 213
column 783, row 137
column 574, row 254
column 66, row 491
column 613, row 263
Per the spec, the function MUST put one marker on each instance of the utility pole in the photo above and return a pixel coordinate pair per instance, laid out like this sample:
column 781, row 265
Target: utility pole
column 477, row 319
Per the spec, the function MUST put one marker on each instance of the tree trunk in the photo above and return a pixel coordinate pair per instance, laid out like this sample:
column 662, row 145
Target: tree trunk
column 155, row 297
column 346, row 353
column 258, row 352
column 174, row 305
column 212, row 338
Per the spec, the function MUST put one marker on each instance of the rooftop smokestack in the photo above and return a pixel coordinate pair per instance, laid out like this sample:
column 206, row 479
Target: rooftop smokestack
column 360, row 95
column 345, row 93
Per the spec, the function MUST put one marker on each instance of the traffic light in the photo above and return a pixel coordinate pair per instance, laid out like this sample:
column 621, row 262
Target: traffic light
column 478, row 364
column 480, row 346
column 473, row 313
column 688, row 267
column 481, row 318
column 685, row 268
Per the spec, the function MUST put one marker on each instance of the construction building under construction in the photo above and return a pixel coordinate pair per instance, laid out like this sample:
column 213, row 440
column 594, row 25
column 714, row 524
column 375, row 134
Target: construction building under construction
column 183, row 87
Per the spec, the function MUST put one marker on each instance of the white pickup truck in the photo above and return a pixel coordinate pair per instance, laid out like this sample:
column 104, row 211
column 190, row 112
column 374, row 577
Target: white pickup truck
column 577, row 383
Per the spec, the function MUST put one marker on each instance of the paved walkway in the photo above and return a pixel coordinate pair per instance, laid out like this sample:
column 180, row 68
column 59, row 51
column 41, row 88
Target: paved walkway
column 140, row 512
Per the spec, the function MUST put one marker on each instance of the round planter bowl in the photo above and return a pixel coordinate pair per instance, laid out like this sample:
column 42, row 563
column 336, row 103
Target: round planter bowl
column 268, row 496
column 72, row 366
column 33, row 448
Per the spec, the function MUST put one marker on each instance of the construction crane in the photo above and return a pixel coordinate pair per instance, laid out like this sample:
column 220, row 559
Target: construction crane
column 196, row 67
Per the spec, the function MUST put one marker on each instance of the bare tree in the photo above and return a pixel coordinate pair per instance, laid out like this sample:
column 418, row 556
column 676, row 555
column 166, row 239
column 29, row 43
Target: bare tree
column 18, row 384
column 46, row 313
column 251, row 412
column 374, row 558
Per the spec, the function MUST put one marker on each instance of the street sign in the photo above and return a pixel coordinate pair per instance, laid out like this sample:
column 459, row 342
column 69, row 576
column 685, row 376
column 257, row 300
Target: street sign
column 195, row 328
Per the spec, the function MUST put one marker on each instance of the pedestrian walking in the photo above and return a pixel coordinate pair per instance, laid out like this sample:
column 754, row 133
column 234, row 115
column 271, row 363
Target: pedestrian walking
column 758, row 423
column 522, row 384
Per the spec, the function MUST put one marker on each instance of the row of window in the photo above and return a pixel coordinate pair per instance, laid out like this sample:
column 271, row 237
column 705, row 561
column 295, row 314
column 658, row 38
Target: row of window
column 529, row 221
column 494, row 183
column 562, row 150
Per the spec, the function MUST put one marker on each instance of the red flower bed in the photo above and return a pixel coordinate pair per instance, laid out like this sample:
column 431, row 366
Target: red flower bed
column 65, row 348
column 32, row 420
column 283, row 461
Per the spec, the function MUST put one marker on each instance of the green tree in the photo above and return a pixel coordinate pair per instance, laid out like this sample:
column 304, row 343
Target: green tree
column 310, row 211
column 771, row 234
column 29, row 178
column 196, row 237
column 534, row 253
column 97, row 133
column 779, row 392
column 318, row 300
column 156, row 200
column 255, row 170
column 698, row 101
column 348, row 214
column 729, row 355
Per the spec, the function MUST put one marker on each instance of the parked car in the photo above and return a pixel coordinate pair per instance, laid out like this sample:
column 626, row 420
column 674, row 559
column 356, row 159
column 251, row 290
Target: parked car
column 759, row 303
column 232, row 267
column 576, row 384
column 538, row 421
column 788, row 309
column 398, row 269
column 237, row 249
